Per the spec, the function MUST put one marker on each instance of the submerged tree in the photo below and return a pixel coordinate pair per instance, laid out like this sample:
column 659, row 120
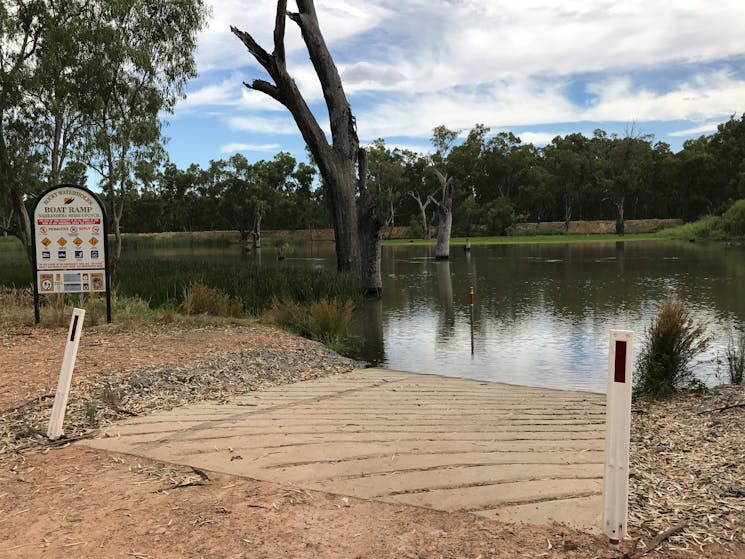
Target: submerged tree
column 443, row 140
column 357, row 223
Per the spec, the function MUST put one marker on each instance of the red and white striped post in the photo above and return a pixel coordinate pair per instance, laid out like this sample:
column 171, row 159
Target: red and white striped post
column 617, row 435
column 471, row 299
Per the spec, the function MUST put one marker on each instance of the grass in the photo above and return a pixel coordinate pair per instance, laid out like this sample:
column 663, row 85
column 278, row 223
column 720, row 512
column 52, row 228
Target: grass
column 729, row 226
column 528, row 239
column 328, row 321
column 708, row 228
column 165, row 282
column 735, row 356
column 673, row 340
column 56, row 310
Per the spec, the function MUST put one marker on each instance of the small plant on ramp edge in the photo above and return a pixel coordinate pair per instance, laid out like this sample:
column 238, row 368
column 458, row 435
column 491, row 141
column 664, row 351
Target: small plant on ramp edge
column 672, row 342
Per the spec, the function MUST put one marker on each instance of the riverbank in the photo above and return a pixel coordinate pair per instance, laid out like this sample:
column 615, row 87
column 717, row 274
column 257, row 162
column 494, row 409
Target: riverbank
column 686, row 456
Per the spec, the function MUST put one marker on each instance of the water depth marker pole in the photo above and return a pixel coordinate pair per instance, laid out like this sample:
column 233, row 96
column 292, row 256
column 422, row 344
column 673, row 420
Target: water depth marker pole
column 471, row 298
column 54, row 431
column 617, row 435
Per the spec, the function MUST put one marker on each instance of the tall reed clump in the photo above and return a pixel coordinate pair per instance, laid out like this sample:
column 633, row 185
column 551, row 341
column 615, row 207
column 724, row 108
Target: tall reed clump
column 328, row 321
column 672, row 342
column 163, row 282
column 200, row 298
column 735, row 355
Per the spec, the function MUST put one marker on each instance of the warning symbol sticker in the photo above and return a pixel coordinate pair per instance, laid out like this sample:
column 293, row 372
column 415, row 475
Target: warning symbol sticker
column 61, row 241
column 46, row 282
column 93, row 241
column 45, row 241
column 78, row 241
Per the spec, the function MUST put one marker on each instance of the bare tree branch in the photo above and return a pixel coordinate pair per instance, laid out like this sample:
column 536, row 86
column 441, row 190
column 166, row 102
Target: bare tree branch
column 261, row 56
column 265, row 87
column 279, row 34
column 341, row 121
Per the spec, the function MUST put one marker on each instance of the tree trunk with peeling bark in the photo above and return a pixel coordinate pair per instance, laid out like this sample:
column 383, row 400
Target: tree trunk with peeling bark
column 444, row 216
column 256, row 232
column 370, row 225
column 423, row 213
column 337, row 161
column 23, row 232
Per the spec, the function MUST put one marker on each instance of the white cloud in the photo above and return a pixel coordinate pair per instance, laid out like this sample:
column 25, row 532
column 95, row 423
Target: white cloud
column 695, row 131
column 703, row 97
column 497, row 105
column 230, row 148
column 538, row 138
column 410, row 65
column 218, row 48
column 263, row 125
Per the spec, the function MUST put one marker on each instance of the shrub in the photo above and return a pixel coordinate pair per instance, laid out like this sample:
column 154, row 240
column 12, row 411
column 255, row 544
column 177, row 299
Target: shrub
column 327, row 321
column 708, row 227
column 672, row 341
column 289, row 315
column 735, row 355
column 200, row 298
column 331, row 320
column 733, row 220
column 498, row 217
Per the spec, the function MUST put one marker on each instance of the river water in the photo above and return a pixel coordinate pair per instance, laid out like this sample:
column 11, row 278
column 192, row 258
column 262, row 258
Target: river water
column 542, row 313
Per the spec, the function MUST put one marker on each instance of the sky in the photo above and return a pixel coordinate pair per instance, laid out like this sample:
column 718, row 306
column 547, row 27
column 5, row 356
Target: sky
column 537, row 68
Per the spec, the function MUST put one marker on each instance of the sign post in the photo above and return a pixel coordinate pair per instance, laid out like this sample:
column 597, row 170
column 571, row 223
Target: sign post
column 54, row 431
column 617, row 435
column 70, row 238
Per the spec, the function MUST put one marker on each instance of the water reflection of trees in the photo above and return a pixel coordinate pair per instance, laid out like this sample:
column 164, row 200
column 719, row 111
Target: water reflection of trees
column 582, row 283
column 371, row 331
column 446, row 309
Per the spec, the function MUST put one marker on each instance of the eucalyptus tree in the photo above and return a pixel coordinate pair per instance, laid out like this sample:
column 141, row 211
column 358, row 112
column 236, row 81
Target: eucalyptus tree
column 728, row 147
column 66, row 82
column 144, row 60
column 624, row 165
column 386, row 178
column 273, row 181
column 21, row 29
column 234, row 180
column 569, row 161
column 419, row 189
column 341, row 162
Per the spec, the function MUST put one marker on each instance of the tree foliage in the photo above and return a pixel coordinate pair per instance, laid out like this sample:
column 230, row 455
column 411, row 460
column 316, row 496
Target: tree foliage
column 82, row 83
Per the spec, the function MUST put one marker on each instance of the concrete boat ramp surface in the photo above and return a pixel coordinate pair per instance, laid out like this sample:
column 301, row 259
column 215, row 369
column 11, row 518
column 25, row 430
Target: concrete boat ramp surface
column 512, row 453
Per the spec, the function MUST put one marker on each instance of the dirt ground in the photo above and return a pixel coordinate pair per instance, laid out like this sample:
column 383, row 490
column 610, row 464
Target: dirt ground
column 73, row 501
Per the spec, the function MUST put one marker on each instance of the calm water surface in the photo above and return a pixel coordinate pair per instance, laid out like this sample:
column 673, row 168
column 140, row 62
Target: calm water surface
column 542, row 313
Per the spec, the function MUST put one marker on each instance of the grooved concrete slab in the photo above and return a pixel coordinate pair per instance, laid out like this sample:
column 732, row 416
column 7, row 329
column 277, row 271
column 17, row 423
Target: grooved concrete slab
column 506, row 452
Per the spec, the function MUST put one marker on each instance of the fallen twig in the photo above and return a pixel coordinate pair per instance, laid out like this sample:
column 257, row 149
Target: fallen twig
column 723, row 408
column 659, row 538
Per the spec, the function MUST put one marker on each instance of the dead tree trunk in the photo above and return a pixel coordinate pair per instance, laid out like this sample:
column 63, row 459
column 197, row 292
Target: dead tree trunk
column 370, row 233
column 619, row 215
column 423, row 213
column 444, row 216
column 256, row 232
column 337, row 161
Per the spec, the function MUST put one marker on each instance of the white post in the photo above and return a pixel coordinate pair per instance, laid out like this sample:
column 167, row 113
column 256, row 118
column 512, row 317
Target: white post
column 54, row 431
column 617, row 435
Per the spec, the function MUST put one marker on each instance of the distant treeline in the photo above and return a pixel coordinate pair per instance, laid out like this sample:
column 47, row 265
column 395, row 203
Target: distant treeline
column 499, row 181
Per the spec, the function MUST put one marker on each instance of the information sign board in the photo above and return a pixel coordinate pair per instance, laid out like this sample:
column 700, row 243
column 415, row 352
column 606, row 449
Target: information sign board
column 69, row 237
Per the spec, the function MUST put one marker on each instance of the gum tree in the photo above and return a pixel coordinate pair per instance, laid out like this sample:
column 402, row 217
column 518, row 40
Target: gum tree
column 342, row 162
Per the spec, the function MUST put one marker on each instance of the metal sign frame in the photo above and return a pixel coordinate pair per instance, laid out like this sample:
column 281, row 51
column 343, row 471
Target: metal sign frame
column 104, row 246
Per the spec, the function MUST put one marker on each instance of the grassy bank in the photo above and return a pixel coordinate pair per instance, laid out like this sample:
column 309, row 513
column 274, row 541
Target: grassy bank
column 730, row 226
